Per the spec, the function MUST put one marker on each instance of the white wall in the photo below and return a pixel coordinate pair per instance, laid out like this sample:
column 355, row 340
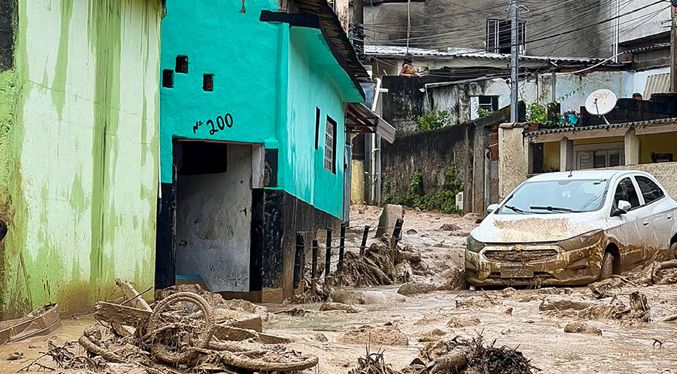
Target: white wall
column 214, row 215
column 650, row 21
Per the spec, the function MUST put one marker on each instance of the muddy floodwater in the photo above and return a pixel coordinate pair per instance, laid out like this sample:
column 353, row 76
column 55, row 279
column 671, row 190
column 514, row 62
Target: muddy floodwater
column 605, row 335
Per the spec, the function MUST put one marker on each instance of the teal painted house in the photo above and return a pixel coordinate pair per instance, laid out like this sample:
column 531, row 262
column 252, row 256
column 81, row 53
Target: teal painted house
column 255, row 102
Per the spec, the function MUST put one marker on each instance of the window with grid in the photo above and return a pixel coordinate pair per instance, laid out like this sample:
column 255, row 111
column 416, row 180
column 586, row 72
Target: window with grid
column 499, row 36
column 489, row 103
column 330, row 146
column 599, row 156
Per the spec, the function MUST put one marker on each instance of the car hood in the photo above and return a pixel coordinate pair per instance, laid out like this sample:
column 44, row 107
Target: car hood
column 534, row 228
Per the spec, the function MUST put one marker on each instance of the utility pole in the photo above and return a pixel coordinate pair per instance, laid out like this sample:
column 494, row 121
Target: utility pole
column 358, row 30
column 514, row 63
column 673, row 48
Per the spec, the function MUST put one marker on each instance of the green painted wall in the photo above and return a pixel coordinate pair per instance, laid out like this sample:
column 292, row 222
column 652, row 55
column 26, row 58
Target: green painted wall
column 304, row 168
column 269, row 78
column 241, row 52
column 79, row 147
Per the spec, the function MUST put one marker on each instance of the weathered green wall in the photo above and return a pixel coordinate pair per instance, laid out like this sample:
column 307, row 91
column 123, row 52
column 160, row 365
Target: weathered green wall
column 80, row 160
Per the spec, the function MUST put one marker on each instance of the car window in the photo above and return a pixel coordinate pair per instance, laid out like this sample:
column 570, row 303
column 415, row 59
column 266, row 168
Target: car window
column 550, row 197
column 626, row 191
column 650, row 190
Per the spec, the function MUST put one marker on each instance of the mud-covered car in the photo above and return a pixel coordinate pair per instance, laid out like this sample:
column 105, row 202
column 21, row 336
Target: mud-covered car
column 573, row 228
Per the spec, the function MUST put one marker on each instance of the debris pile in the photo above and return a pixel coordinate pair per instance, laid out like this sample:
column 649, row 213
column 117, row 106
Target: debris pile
column 180, row 331
column 455, row 355
column 382, row 335
column 637, row 308
column 656, row 273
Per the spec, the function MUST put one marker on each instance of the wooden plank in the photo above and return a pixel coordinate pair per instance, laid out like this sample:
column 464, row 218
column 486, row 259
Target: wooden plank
column 134, row 298
column 121, row 314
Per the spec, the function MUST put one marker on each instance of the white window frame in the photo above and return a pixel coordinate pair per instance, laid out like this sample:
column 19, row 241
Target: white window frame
column 617, row 146
column 330, row 143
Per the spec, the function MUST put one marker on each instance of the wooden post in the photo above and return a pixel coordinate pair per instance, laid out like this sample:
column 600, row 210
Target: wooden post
column 342, row 246
column 298, row 259
column 363, row 246
column 313, row 270
column 396, row 238
column 327, row 259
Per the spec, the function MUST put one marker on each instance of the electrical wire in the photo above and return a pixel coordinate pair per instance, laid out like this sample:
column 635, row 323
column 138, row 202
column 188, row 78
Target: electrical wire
column 593, row 10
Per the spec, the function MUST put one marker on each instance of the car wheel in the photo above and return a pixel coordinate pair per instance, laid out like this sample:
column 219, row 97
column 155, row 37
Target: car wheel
column 607, row 266
column 672, row 255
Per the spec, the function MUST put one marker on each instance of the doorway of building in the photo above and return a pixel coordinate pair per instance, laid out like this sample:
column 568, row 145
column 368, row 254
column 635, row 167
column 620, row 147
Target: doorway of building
column 213, row 218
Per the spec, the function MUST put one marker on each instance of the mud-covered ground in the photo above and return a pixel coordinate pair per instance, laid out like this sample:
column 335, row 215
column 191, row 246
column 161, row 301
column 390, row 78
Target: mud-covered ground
column 397, row 324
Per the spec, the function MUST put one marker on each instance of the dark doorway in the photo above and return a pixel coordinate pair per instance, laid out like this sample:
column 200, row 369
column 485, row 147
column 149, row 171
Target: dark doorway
column 212, row 218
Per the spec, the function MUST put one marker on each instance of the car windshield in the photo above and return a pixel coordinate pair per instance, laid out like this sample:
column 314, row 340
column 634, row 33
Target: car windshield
column 550, row 197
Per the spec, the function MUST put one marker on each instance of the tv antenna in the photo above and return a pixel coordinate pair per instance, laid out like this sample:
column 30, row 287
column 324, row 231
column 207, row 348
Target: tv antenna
column 601, row 102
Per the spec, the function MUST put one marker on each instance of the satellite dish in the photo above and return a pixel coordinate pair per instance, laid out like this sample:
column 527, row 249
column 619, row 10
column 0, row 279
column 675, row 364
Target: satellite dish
column 601, row 102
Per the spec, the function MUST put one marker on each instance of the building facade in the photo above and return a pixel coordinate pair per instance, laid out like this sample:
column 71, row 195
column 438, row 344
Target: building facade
column 78, row 149
column 568, row 28
column 254, row 104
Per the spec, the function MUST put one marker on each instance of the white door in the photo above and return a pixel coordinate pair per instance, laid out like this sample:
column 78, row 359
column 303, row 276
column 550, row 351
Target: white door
column 625, row 228
column 656, row 226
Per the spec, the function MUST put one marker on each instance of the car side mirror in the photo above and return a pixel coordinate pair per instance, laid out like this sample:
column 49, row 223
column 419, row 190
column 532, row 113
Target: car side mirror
column 492, row 208
column 622, row 208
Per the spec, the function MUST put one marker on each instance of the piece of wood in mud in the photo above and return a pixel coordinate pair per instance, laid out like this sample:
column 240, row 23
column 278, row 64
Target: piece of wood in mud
column 230, row 333
column 134, row 298
column 121, row 314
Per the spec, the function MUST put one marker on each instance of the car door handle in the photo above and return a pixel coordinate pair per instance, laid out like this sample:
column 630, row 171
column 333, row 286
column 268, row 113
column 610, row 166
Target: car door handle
column 646, row 222
column 669, row 216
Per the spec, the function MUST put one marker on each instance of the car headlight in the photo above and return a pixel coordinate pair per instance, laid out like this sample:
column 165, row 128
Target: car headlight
column 474, row 245
column 582, row 241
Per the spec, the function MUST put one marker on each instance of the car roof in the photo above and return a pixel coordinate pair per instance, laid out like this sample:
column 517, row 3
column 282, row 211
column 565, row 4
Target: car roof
column 582, row 174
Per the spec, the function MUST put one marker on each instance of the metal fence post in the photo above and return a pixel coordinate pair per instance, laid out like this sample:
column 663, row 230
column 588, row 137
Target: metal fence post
column 342, row 246
column 327, row 260
column 313, row 270
column 396, row 238
column 363, row 246
column 298, row 260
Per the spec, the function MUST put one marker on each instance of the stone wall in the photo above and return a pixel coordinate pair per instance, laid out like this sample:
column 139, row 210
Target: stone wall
column 434, row 153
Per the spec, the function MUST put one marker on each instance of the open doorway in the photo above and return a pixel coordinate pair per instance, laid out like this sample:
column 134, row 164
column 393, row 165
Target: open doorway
column 213, row 215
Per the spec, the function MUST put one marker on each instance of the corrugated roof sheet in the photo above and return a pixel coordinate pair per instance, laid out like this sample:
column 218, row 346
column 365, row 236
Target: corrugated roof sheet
column 452, row 53
column 556, row 130
column 332, row 27
column 657, row 83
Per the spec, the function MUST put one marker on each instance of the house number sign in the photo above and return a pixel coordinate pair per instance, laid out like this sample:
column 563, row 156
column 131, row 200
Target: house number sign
column 215, row 126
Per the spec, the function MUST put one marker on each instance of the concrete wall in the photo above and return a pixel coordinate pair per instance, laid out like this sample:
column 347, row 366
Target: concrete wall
column 214, row 224
column 462, row 25
column 311, row 87
column 79, row 151
column 248, row 80
column 433, row 153
column 269, row 79
column 513, row 163
column 647, row 22
column 571, row 91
